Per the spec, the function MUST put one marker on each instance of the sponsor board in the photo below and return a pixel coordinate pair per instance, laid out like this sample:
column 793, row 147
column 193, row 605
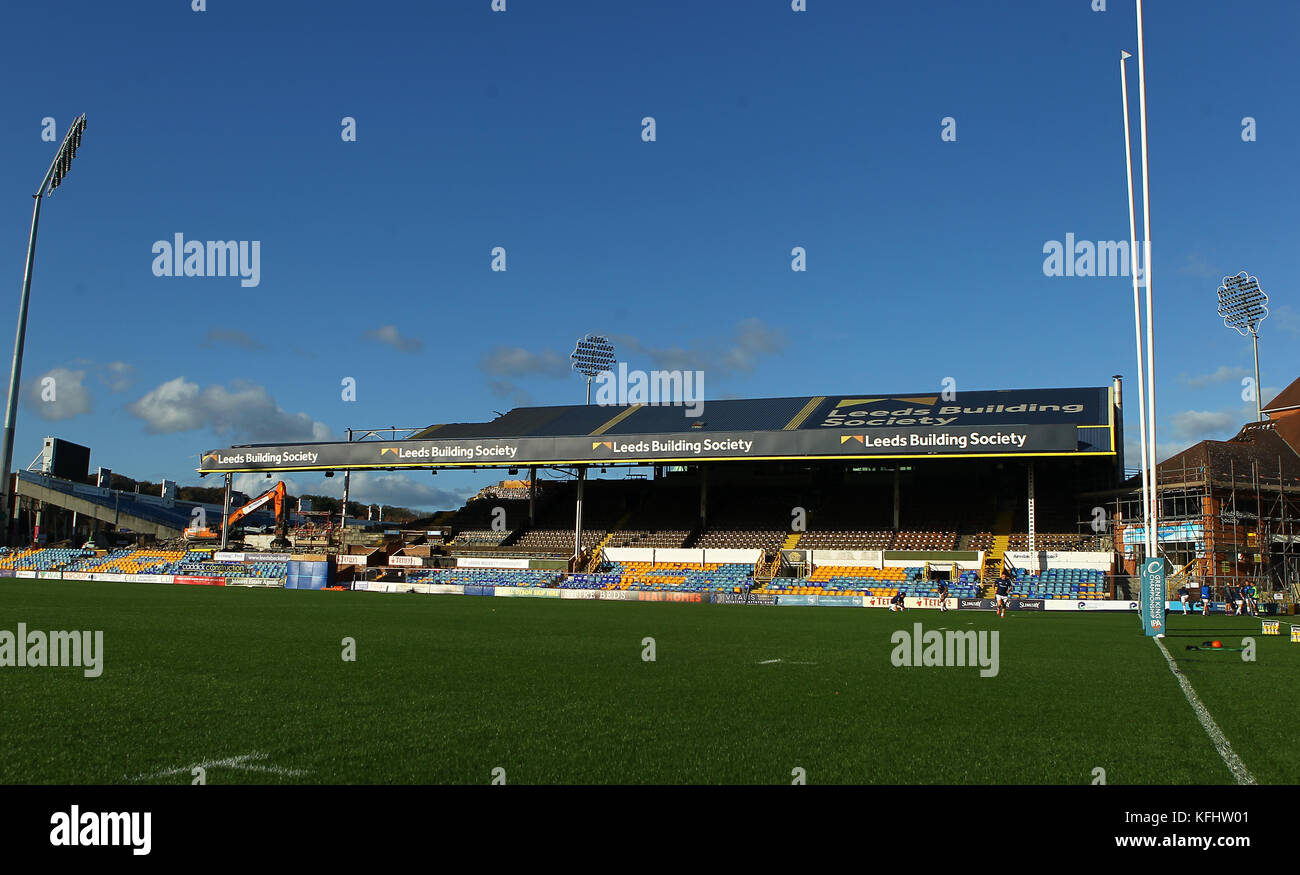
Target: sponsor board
column 227, row 557
column 616, row 595
column 480, row 562
column 351, row 559
column 78, row 575
column 665, row 596
column 1154, row 571
column 110, row 576
column 739, row 598
column 50, row 575
column 1077, row 605
column 148, row 578
column 527, row 592
column 405, row 561
column 479, row 589
column 839, row 601
column 6, row 572
column 580, row 594
column 1014, row 604
column 193, row 580
column 796, row 599
column 270, row 557
column 256, row 581
column 30, row 575
column 447, row 588
column 1006, row 422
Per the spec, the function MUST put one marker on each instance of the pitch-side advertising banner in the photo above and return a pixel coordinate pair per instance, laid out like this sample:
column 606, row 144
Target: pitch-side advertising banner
column 1153, row 596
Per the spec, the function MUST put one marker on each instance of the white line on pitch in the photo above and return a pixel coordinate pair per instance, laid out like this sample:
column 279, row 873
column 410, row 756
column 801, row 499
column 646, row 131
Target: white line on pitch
column 1230, row 758
column 239, row 763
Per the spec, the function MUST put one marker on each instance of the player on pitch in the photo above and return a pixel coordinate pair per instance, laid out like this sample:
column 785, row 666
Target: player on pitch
column 943, row 595
column 1003, row 594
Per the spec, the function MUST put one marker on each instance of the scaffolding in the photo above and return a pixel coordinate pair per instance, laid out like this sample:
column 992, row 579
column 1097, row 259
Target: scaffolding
column 1228, row 524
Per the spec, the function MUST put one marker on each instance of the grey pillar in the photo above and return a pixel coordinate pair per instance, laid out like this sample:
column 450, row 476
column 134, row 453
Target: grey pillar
column 1033, row 547
column 577, row 514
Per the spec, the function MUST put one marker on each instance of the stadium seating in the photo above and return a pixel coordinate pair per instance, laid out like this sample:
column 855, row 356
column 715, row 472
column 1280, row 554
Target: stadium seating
column 876, row 582
column 558, row 542
column 846, row 540
column 130, row 560
column 1061, row 583
column 523, row 577
column 740, row 539
column 45, row 559
column 479, row 537
column 667, row 577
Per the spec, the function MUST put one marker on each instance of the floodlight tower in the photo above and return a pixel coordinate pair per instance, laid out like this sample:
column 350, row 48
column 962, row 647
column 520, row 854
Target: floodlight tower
column 53, row 178
column 1243, row 305
column 592, row 355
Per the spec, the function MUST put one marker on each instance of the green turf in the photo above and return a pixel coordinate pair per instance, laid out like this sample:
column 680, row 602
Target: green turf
column 446, row 688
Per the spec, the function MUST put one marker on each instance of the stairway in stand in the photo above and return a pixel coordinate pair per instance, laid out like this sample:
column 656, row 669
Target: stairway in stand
column 993, row 557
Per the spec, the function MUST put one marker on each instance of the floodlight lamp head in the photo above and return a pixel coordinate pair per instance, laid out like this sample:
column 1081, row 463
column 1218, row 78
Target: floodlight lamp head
column 1243, row 305
column 592, row 355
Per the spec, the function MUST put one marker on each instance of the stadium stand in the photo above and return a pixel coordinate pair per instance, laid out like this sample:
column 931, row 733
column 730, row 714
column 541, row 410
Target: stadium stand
column 523, row 577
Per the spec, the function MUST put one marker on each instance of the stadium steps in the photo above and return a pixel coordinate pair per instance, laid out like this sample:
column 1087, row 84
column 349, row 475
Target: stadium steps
column 766, row 567
column 598, row 552
column 993, row 559
column 791, row 541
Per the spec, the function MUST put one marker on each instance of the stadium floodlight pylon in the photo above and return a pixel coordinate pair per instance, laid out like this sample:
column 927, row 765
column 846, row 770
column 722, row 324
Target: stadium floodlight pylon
column 592, row 355
column 1243, row 305
column 59, row 168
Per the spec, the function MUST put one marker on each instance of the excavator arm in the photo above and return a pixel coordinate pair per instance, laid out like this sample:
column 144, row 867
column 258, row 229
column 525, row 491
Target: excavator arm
column 276, row 493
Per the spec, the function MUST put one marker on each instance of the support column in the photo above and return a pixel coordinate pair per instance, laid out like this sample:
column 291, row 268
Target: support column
column 577, row 513
column 1033, row 547
column 343, row 517
column 897, row 494
column 532, row 496
column 225, row 515
column 704, row 496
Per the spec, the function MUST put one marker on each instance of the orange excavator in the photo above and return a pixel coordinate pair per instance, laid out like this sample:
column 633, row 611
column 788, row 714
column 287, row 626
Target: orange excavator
column 276, row 493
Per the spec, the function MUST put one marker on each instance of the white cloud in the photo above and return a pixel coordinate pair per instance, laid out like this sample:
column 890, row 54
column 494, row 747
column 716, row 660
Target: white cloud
column 368, row 487
column 390, row 336
column 394, row 488
column 59, row 394
column 218, row 336
column 1199, row 425
column 514, row 361
column 751, row 341
column 117, row 376
column 245, row 411
column 1225, row 374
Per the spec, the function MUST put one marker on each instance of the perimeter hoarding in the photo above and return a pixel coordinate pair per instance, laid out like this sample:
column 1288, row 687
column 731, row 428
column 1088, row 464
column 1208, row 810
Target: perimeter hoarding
column 1154, row 571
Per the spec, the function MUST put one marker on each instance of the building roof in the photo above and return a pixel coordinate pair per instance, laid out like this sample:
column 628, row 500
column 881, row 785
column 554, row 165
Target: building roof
column 1288, row 398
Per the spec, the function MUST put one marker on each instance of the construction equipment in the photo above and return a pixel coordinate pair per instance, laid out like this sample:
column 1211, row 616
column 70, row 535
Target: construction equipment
column 276, row 493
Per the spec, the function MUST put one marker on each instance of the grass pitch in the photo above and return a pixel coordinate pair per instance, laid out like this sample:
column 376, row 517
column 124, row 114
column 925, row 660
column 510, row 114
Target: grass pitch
column 251, row 685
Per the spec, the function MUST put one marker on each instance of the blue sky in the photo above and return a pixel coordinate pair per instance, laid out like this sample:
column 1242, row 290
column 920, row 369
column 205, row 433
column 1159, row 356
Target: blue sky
column 523, row 129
